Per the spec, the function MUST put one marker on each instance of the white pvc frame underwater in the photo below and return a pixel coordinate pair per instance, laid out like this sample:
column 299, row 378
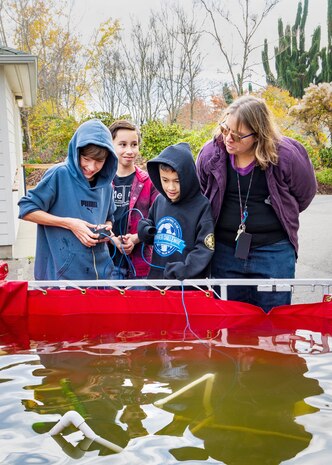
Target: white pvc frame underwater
column 74, row 418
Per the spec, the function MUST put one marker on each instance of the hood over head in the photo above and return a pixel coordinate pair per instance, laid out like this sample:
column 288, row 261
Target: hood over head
column 180, row 158
column 92, row 132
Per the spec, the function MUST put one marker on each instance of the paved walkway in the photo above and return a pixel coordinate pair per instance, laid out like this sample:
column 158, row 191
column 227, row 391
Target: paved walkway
column 21, row 266
column 315, row 253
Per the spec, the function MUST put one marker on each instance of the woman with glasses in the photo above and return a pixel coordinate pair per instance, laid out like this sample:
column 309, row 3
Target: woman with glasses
column 258, row 182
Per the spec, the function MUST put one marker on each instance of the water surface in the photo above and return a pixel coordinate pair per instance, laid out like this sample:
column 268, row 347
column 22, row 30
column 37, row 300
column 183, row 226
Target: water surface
column 264, row 399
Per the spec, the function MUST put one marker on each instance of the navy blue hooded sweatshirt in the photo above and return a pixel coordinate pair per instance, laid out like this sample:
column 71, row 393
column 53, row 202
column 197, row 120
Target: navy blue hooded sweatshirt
column 182, row 232
column 65, row 192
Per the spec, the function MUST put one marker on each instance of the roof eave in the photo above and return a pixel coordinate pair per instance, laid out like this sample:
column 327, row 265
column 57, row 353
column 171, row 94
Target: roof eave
column 21, row 71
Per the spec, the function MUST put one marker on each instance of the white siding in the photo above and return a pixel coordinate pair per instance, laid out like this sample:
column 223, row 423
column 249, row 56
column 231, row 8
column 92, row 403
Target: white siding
column 10, row 161
column 3, row 167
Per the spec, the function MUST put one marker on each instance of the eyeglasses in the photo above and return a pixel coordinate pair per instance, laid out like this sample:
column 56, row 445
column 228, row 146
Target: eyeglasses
column 236, row 138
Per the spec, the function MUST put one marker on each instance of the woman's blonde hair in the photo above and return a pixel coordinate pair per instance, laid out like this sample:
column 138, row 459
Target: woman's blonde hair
column 255, row 115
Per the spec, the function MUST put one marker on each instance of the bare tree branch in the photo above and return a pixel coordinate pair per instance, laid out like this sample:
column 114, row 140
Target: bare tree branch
column 245, row 31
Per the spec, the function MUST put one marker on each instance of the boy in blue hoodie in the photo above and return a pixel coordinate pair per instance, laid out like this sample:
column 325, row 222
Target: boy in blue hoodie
column 180, row 224
column 71, row 199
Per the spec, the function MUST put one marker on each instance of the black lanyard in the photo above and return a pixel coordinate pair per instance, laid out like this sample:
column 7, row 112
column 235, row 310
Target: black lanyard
column 243, row 209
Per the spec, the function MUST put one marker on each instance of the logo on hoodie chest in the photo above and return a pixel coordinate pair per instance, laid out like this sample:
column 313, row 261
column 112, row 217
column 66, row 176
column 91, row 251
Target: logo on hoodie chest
column 168, row 238
column 89, row 204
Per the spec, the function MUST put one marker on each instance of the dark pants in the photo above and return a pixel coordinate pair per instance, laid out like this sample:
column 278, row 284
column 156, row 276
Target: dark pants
column 270, row 261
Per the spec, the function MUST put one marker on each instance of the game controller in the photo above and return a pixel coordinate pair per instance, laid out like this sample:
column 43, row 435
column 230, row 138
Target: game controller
column 102, row 232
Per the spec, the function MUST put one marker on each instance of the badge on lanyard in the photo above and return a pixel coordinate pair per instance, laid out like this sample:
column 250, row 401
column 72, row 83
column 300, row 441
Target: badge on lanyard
column 243, row 245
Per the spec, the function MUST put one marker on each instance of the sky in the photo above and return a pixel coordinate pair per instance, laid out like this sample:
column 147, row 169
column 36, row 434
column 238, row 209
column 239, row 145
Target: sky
column 88, row 14
column 92, row 12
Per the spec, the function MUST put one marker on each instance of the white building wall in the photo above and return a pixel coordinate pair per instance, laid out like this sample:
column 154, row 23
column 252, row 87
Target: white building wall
column 10, row 162
column 3, row 164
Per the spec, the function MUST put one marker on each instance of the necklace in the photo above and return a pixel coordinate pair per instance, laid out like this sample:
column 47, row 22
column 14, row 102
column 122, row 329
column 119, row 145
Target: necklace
column 243, row 209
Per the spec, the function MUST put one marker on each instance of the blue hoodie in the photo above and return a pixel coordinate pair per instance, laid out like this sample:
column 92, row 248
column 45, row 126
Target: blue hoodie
column 65, row 192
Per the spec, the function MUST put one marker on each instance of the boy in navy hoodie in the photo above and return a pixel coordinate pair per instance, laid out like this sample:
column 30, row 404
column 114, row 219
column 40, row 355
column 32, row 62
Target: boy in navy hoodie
column 180, row 224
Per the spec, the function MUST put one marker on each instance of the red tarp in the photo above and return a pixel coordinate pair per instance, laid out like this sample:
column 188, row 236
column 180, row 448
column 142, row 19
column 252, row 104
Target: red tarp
column 140, row 314
column 3, row 270
column 13, row 298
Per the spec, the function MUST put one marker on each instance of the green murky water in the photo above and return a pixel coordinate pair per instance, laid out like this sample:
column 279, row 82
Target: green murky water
column 240, row 398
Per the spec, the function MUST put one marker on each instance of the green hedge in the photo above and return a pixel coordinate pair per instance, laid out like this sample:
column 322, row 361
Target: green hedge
column 325, row 156
column 157, row 135
column 324, row 176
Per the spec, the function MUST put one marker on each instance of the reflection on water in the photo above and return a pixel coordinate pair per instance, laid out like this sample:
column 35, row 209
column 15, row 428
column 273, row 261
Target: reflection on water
column 319, row 424
column 267, row 400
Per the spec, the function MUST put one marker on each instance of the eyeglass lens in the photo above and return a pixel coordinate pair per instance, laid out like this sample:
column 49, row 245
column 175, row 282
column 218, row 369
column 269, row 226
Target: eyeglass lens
column 225, row 130
column 236, row 138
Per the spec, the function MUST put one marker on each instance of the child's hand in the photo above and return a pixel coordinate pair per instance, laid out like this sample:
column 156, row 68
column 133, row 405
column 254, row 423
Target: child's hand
column 128, row 243
column 176, row 270
column 83, row 232
column 104, row 231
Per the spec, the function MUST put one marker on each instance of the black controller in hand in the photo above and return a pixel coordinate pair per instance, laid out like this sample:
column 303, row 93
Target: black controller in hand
column 102, row 232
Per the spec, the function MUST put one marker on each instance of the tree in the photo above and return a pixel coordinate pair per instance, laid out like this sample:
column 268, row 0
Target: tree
column 280, row 101
column 3, row 40
column 172, row 69
column 227, row 93
column 44, row 29
column 105, row 67
column 296, row 68
column 245, row 26
column 315, row 109
column 189, row 39
column 177, row 36
column 218, row 104
column 50, row 133
column 326, row 52
column 156, row 136
column 139, row 76
column 125, row 71
column 201, row 108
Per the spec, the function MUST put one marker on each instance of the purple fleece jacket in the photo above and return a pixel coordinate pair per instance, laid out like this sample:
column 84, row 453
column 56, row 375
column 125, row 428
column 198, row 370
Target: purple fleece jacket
column 292, row 183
